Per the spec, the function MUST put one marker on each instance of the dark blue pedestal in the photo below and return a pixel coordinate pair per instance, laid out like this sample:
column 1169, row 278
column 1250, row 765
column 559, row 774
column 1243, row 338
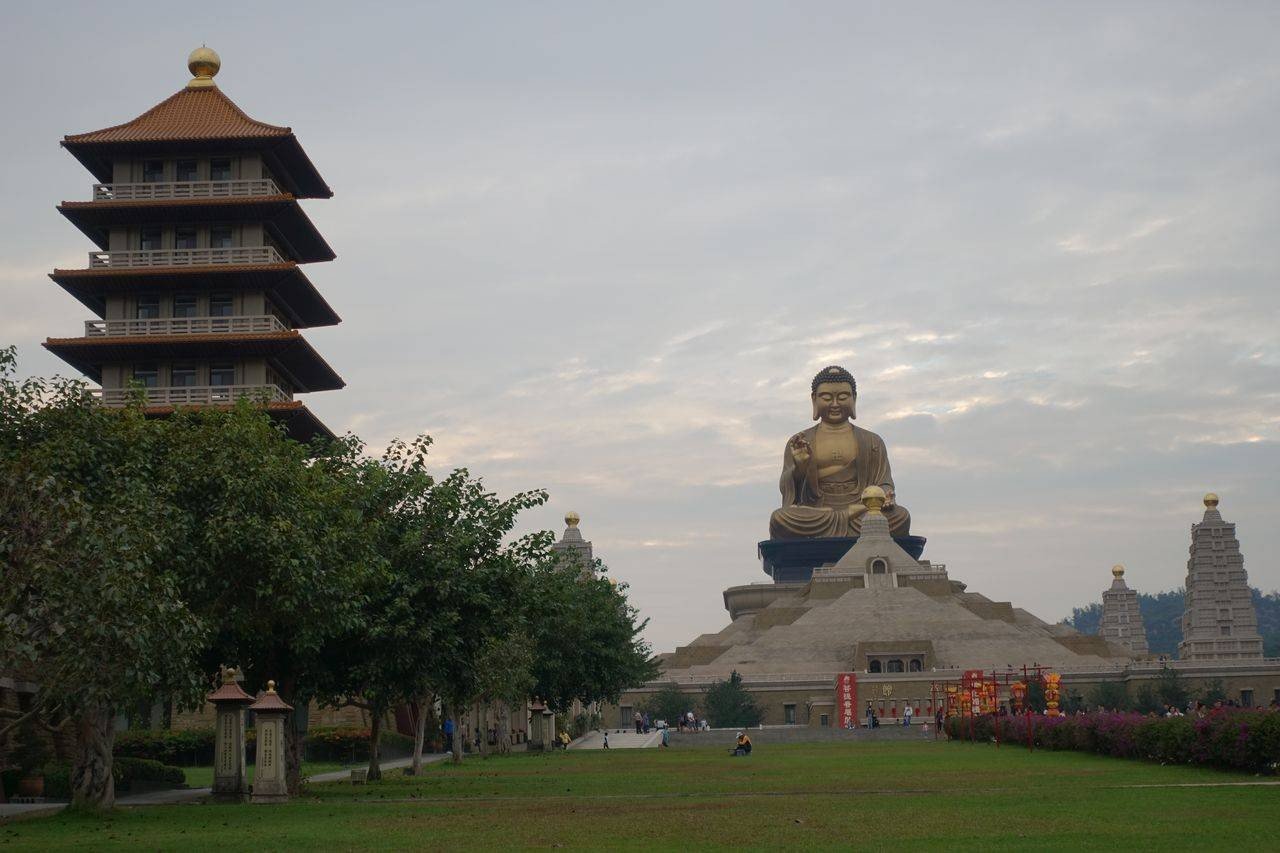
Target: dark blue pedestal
column 793, row 560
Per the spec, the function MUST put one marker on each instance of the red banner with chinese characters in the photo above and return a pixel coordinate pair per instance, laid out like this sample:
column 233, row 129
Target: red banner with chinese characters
column 847, row 699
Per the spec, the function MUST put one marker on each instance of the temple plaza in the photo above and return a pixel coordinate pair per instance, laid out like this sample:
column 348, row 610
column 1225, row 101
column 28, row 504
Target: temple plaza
column 886, row 385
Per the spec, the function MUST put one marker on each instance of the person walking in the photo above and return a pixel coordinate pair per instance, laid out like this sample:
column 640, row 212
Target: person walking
column 906, row 715
column 606, row 740
column 639, row 720
column 665, row 731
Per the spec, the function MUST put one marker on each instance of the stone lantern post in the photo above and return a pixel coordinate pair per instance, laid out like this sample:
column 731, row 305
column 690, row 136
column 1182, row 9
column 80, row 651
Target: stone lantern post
column 229, row 783
column 269, row 784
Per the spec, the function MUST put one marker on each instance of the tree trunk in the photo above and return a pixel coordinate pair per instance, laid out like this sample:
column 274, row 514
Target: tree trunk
column 457, row 732
column 92, row 786
column 503, row 727
column 376, row 715
column 295, row 732
column 419, row 711
column 482, row 728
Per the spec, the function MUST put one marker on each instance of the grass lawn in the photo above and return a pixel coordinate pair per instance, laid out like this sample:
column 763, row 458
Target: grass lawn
column 889, row 795
column 202, row 777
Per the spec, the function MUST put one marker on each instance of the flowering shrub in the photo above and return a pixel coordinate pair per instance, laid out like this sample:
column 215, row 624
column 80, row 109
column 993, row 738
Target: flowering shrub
column 1236, row 739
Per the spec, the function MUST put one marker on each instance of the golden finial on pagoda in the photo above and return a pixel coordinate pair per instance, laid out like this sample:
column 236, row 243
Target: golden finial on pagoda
column 1211, row 500
column 571, row 518
column 271, row 687
column 203, row 63
column 1117, row 571
column 873, row 498
column 228, row 674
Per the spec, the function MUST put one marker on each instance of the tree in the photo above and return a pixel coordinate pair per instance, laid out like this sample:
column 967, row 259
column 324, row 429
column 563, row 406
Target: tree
column 728, row 705
column 275, row 548
column 1171, row 689
column 87, row 536
column 586, row 635
column 1112, row 695
column 1212, row 690
column 668, row 703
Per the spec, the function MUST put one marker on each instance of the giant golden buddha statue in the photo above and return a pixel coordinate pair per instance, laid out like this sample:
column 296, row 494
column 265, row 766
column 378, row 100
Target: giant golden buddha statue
column 826, row 467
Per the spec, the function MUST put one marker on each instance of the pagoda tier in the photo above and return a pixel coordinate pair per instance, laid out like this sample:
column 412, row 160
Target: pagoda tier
column 195, row 285
column 283, row 283
column 197, row 121
column 280, row 216
column 286, row 351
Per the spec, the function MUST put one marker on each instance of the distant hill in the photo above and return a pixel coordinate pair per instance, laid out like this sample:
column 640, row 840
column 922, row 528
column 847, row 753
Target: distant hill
column 1162, row 616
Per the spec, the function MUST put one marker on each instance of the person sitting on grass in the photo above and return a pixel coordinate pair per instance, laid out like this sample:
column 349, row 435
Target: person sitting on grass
column 743, row 746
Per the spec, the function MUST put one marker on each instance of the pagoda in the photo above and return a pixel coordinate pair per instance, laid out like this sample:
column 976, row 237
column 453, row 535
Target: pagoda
column 1219, row 621
column 1122, row 616
column 196, row 283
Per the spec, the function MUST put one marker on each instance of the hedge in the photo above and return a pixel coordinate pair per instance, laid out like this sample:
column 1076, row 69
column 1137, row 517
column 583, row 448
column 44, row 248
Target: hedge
column 194, row 747
column 342, row 743
column 187, row 748
column 1230, row 738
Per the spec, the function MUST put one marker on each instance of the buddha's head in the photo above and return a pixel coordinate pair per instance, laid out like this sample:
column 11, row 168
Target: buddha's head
column 834, row 395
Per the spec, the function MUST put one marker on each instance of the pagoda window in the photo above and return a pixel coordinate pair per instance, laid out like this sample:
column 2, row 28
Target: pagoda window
column 222, row 375
column 895, row 665
column 874, row 666
column 147, row 308
column 146, row 375
column 152, row 171
column 187, row 171
column 182, row 375
column 916, row 665
column 220, row 237
column 221, row 305
column 1226, row 630
column 185, row 305
column 149, row 238
column 220, row 169
column 184, row 237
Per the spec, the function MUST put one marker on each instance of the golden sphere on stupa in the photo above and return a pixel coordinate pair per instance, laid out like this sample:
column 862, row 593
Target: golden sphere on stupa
column 1211, row 500
column 203, row 63
column 1117, row 571
column 571, row 518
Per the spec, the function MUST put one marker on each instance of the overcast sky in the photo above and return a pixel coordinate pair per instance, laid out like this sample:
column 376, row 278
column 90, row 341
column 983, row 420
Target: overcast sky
column 602, row 248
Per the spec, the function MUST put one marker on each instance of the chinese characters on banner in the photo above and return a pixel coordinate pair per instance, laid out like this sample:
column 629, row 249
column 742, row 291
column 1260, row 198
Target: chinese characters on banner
column 847, row 699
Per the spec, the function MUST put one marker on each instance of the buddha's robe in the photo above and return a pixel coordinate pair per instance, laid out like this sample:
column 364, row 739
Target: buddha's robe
column 815, row 500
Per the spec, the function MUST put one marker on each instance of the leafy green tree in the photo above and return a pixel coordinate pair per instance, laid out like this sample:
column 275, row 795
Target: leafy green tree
column 1111, row 695
column 586, row 636
column 669, row 703
column 275, row 548
column 1212, row 690
column 1171, row 689
column 728, row 704
column 1146, row 699
column 88, row 597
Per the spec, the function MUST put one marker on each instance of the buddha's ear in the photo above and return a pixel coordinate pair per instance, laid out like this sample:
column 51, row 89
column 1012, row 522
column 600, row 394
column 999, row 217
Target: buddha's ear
column 853, row 407
column 813, row 398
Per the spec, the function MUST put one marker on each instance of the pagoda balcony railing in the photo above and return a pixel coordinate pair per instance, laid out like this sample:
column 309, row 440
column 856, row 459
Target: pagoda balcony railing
column 195, row 395
column 150, row 190
column 143, row 258
column 184, row 326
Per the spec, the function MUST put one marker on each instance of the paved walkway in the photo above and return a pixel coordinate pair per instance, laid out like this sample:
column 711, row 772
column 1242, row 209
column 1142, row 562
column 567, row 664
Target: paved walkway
column 188, row 795
column 618, row 740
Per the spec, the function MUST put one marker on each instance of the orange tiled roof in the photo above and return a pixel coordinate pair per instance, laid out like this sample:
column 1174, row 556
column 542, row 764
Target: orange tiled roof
column 188, row 114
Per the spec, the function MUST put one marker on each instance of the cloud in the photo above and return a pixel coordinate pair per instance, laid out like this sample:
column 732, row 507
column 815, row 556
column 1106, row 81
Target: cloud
column 605, row 253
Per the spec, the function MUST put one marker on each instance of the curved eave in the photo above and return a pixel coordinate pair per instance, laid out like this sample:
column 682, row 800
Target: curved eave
column 288, row 162
column 287, row 351
column 285, row 284
column 282, row 214
column 299, row 421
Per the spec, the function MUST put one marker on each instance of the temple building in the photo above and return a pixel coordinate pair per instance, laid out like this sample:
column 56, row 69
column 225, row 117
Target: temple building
column 195, row 282
column 1220, row 622
column 900, row 628
column 1121, row 617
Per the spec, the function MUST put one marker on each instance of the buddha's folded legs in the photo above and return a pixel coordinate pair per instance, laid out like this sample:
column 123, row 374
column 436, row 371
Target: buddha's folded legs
column 809, row 522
